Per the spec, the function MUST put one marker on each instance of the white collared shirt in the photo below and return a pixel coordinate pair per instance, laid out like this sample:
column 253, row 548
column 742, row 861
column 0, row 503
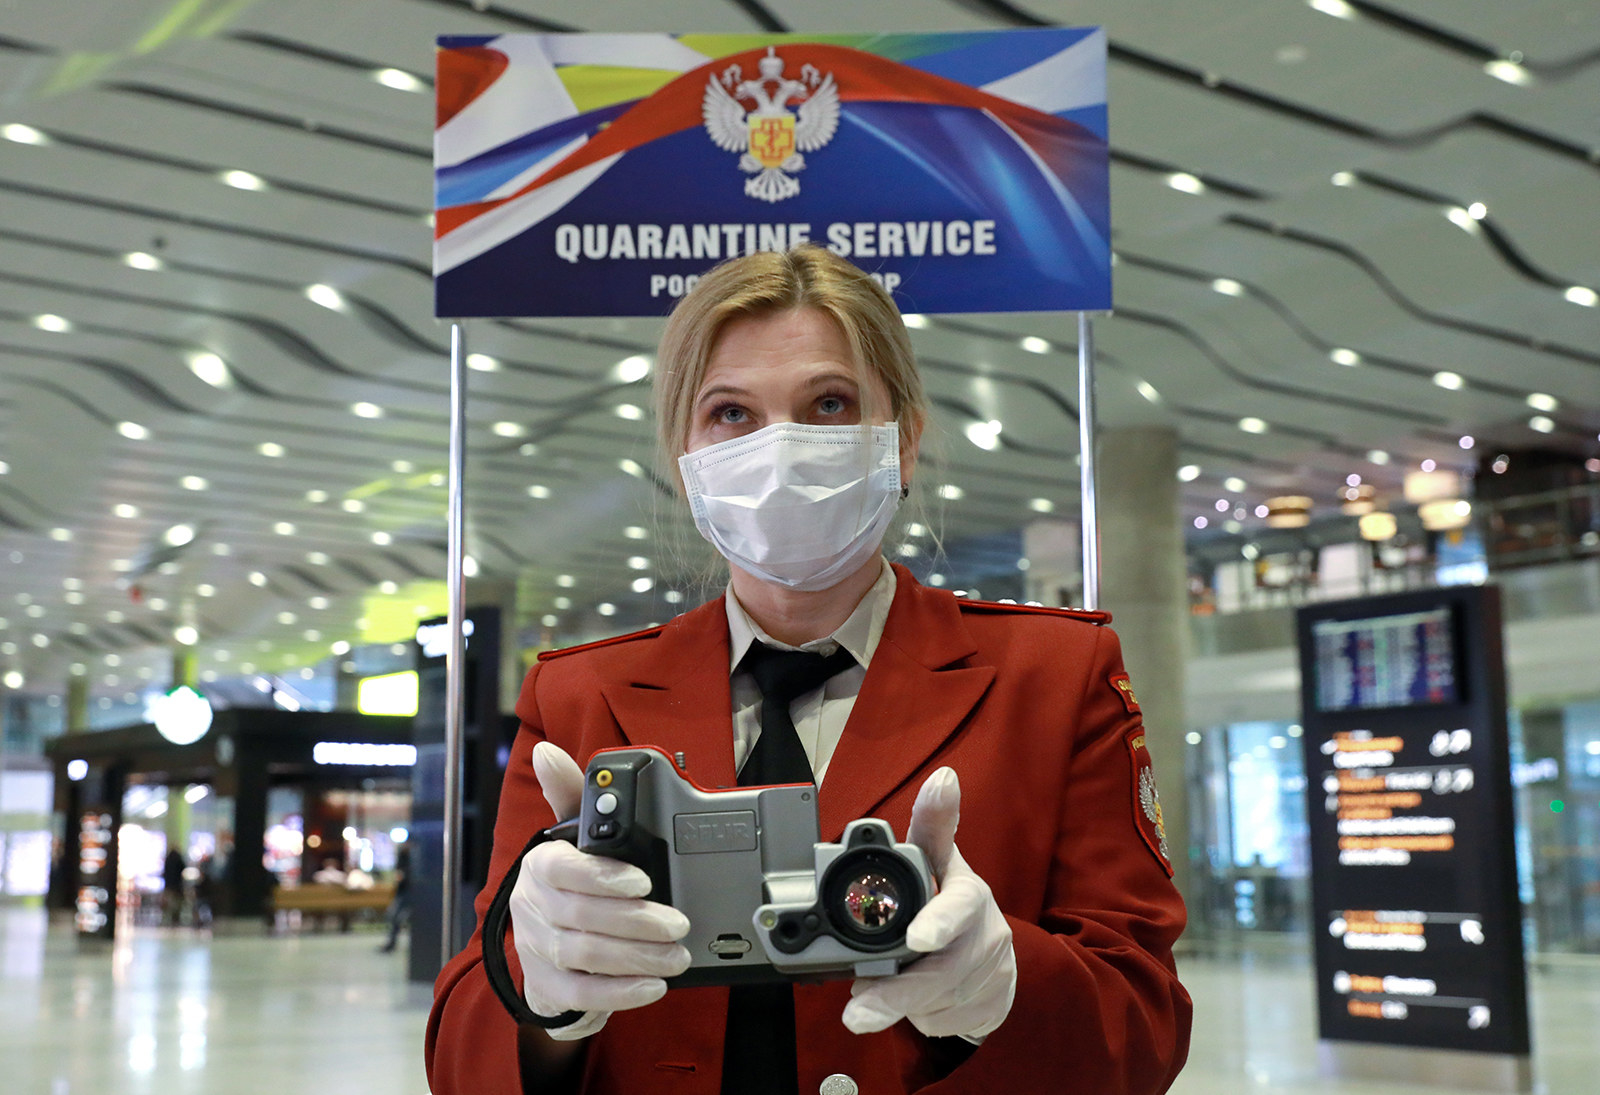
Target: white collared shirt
column 819, row 715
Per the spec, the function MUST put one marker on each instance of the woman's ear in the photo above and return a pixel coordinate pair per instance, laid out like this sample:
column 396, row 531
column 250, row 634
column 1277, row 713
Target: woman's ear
column 910, row 441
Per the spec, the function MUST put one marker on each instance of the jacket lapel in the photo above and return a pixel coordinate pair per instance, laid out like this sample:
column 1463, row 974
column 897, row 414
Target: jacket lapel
column 677, row 696
column 916, row 694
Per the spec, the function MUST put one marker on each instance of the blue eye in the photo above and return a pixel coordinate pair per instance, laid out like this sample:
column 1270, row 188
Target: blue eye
column 831, row 404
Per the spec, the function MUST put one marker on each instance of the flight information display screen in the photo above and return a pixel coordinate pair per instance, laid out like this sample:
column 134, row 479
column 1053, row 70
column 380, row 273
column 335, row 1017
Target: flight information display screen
column 1402, row 660
column 1417, row 927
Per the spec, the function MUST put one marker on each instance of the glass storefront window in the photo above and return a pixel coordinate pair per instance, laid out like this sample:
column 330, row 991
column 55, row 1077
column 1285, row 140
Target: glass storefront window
column 1251, row 813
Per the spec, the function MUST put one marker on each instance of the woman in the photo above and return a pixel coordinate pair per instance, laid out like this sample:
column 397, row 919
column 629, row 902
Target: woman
column 788, row 399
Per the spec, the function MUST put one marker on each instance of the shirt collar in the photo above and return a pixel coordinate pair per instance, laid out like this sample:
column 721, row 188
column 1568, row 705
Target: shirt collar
column 859, row 633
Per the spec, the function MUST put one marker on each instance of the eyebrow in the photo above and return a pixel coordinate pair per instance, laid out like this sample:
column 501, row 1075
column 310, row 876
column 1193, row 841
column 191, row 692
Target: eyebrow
column 819, row 381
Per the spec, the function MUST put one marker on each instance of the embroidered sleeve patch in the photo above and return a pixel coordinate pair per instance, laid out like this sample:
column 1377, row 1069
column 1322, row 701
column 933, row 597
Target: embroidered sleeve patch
column 1146, row 801
column 1124, row 688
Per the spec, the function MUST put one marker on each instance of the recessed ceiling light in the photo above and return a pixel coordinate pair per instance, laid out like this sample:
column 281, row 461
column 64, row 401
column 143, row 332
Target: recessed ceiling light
column 353, row 505
column 403, row 467
column 270, row 448
column 49, row 321
column 1034, row 344
column 1223, row 505
column 206, row 589
column 1510, row 72
column 1252, row 425
column 186, row 634
column 325, row 295
column 1189, row 184
column 211, row 368
column 1201, row 521
column 1542, row 424
column 508, row 429
column 915, row 320
column 142, row 260
column 1189, row 473
column 1148, row 390
column 193, row 482
column 125, row 509
column 606, row 608
column 1040, row 505
column 1466, row 441
column 382, row 539
column 242, row 180
column 628, row 412
column 483, row 363
column 1477, row 211
column 643, row 585
column 178, row 535
column 287, row 617
column 317, row 558
column 133, row 431
column 257, row 578
column 1461, row 219
column 316, row 497
column 1582, row 294
column 1344, row 178
column 1340, row 355
column 1234, row 483
column 1539, row 401
column 1378, row 456
column 366, row 410
column 1227, row 287
column 631, row 369
column 635, row 532
column 632, row 467
column 951, row 492
column 1336, row 8
column 538, row 490
column 1448, row 380
column 283, row 528
column 389, row 588
column 398, row 79
column 24, row 134
column 566, row 581
column 985, row 435
column 638, row 562
column 319, row 602
column 562, row 603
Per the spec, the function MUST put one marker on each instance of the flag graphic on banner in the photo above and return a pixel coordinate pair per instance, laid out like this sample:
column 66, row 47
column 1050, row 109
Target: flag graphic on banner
column 600, row 174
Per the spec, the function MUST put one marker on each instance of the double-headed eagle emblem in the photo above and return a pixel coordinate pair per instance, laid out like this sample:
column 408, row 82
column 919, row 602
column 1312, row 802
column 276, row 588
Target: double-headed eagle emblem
column 1150, row 802
column 770, row 137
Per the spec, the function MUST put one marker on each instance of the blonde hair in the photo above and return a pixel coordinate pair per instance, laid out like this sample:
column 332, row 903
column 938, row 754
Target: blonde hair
column 768, row 282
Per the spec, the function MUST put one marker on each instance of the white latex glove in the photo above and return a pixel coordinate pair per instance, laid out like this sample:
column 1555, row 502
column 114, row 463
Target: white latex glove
column 587, row 939
column 966, row 984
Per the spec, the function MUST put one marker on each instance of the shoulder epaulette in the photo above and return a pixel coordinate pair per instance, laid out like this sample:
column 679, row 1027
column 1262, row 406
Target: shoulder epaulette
column 1087, row 615
column 647, row 633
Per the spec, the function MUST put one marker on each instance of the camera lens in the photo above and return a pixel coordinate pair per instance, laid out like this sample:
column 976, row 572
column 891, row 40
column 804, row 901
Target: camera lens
column 869, row 896
column 872, row 900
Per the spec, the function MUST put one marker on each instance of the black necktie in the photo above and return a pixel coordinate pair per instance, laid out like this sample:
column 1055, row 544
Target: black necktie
column 758, row 1056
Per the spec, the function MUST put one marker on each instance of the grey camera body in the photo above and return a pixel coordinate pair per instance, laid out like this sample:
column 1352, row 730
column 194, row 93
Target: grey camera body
column 766, row 899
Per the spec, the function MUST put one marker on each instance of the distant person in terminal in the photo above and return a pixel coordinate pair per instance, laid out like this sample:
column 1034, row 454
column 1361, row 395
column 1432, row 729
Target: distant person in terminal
column 788, row 402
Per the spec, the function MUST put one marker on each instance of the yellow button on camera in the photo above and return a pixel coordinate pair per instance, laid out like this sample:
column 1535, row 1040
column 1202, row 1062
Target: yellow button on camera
column 602, row 778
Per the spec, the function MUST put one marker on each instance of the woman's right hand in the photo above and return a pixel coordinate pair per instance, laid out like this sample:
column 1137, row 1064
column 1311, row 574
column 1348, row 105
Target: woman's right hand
column 586, row 937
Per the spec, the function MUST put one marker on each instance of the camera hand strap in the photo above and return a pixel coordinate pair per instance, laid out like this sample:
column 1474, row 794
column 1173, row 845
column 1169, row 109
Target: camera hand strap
column 497, row 918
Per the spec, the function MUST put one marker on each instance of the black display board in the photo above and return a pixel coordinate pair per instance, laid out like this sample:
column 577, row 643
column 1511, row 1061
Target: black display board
column 485, row 748
column 1417, row 929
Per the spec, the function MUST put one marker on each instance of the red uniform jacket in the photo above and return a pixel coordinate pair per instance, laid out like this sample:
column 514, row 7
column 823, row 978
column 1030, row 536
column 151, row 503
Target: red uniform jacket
column 1032, row 709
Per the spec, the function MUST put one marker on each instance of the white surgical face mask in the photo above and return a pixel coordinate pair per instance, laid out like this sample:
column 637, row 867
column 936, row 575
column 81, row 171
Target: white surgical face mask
column 799, row 505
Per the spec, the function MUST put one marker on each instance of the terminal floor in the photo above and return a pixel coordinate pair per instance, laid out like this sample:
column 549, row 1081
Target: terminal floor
column 177, row 1011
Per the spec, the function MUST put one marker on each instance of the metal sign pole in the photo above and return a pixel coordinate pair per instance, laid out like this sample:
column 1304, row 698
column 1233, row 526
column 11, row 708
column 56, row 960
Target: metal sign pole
column 455, row 657
column 1091, row 519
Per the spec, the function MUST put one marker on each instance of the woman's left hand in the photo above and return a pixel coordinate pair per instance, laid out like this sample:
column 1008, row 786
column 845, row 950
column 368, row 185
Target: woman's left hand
column 966, row 984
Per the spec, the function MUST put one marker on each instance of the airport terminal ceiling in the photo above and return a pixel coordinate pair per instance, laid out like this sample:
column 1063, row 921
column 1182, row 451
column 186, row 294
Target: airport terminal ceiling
column 1349, row 233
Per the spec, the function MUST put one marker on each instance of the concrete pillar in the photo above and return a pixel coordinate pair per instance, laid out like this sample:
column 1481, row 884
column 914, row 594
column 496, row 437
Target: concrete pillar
column 1144, row 587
